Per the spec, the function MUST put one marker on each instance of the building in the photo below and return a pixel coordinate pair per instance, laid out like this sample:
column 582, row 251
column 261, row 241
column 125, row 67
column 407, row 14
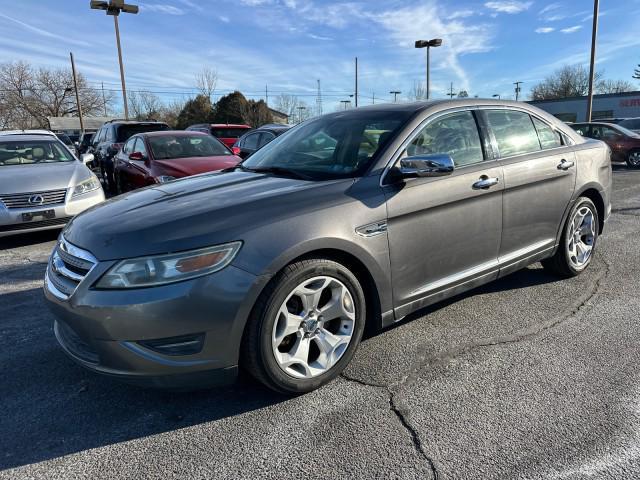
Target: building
column 610, row 105
column 279, row 117
column 71, row 125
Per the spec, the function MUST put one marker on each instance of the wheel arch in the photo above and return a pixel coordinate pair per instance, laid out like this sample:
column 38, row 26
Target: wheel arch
column 593, row 194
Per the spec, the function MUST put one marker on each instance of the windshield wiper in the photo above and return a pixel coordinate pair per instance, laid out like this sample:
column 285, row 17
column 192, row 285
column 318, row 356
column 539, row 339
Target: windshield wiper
column 278, row 171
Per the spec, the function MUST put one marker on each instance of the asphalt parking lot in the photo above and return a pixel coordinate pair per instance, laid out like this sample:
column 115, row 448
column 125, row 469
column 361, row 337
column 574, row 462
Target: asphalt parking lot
column 528, row 377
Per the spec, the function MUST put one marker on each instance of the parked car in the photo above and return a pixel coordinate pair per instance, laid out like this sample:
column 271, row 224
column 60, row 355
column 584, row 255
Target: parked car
column 624, row 144
column 110, row 137
column 85, row 141
column 159, row 157
column 258, row 138
column 64, row 138
column 630, row 124
column 278, row 265
column 42, row 185
column 225, row 132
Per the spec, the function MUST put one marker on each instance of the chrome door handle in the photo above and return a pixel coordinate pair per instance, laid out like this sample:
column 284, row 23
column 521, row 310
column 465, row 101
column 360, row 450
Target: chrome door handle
column 484, row 183
column 565, row 164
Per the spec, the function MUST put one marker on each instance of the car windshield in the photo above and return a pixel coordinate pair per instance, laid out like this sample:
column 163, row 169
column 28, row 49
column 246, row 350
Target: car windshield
column 630, row 123
column 127, row 131
column 339, row 145
column 626, row 131
column 183, row 146
column 64, row 138
column 30, row 152
column 228, row 132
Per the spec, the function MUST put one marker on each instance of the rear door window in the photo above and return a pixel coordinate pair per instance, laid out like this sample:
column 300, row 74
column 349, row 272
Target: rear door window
column 514, row 132
column 251, row 142
column 549, row 138
column 228, row 132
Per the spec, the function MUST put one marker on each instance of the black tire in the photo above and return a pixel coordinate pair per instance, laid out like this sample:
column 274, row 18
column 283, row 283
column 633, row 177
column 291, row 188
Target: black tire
column 119, row 185
column 633, row 158
column 256, row 354
column 560, row 264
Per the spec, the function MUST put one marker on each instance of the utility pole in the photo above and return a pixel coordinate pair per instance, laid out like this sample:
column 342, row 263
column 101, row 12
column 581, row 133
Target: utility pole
column 592, row 69
column 75, row 86
column 395, row 94
column 373, row 98
column 356, row 92
column 300, row 109
column 114, row 8
column 319, row 100
column 451, row 92
column 104, row 100
column 266, row 95
column 518, row 89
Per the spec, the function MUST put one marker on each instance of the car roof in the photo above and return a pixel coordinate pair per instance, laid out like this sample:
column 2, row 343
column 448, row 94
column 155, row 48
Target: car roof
column 227, row 125
column 161, row 133
column 28, row 132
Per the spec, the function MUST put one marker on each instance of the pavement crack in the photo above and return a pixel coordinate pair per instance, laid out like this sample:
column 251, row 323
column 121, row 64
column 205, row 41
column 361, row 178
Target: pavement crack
column 363, row 382
column 426, row 362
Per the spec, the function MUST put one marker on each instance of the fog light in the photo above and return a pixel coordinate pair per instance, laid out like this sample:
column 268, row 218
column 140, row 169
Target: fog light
column 183, row 345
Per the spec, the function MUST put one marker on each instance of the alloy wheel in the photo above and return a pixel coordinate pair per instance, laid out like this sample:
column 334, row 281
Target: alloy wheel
column 581, row 237
column 634, row 158
column 314, row 327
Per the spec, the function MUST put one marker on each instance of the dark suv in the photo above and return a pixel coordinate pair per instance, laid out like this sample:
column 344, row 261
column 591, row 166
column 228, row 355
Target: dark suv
column 258, row 138
column 111, row 136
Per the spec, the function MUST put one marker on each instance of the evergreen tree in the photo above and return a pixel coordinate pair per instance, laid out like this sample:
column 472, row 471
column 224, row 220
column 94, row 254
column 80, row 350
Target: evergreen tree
column 196, row 110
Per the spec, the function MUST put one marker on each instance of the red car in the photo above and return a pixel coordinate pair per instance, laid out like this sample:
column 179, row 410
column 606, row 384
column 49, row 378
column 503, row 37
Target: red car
column 227, row 133
column 624, row 143
column 158, row 157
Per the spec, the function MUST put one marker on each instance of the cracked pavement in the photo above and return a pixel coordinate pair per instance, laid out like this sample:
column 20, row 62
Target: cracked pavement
column 527, row 377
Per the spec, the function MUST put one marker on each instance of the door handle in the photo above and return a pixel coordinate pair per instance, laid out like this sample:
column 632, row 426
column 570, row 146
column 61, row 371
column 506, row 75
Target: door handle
column 565, row 164
column 485, row 183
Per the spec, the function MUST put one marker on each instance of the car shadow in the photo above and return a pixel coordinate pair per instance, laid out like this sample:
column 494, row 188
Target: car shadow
column 28, row 238
column 53, row 407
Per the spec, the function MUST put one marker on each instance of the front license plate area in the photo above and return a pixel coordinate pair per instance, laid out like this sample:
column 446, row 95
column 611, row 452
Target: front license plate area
column 44, row 214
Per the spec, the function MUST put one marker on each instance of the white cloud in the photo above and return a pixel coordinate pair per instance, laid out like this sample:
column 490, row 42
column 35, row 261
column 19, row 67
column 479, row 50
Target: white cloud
column 544, row 30
column 461, row 14
column 162, row 8
column 318, row 37
column 224, row 18
column 508, row 6
column 255, row 3
column 43, row 32
column 550, row 7
column 571, row 29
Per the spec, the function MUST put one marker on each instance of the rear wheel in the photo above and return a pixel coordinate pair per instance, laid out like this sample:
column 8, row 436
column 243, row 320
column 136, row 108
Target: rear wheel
column 305, row 327
column 578, row 242
column 633, row 158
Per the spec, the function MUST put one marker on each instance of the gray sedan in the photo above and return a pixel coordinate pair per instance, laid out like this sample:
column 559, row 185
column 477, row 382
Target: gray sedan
column 42, row 184
column 351, row 219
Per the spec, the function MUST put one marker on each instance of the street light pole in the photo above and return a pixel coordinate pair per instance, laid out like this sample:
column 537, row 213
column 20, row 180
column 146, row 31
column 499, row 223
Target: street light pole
column 395, row 94
column 517, row 84
column 345, row 103
column 434, row 42
column 592, row 67
column 496, row 95
column 113, row 8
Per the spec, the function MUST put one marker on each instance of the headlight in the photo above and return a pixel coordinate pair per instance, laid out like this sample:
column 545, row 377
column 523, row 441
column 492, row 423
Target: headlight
column 165, row 178
column 163, row 269
column 86, row 186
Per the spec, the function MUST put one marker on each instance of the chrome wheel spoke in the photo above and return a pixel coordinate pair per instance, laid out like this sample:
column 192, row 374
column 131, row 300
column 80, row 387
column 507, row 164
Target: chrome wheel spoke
column 310, row 341
column 581, row 237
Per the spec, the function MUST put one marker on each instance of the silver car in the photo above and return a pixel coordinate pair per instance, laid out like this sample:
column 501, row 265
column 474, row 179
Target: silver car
column 42, row 184
column 354, row 218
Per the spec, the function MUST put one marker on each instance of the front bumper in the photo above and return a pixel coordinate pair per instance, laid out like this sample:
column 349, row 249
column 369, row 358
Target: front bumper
column 11, row 221
column 107, row 331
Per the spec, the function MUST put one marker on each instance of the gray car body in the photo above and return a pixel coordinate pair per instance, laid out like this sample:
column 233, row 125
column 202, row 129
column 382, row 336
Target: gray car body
column 442, row 237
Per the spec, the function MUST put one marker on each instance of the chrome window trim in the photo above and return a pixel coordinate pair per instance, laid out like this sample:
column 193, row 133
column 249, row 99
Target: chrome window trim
column 414, row 133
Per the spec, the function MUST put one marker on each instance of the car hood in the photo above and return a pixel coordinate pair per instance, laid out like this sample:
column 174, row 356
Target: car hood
column 195, row 212
column 183, row 167
column 39, row 177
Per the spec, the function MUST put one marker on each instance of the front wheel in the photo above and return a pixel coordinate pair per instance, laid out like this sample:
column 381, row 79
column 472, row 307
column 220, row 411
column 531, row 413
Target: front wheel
column 633, row 158
column 579, row 237
column 305, row 327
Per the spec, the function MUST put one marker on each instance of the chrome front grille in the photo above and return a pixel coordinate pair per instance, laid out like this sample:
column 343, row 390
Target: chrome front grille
column 68, row 266
column 33, row 199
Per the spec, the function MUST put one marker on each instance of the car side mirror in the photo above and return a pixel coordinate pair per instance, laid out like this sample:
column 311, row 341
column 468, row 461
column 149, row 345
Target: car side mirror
column 236, row 150
column 87, row 158
column 136, row 156
column 432, row 165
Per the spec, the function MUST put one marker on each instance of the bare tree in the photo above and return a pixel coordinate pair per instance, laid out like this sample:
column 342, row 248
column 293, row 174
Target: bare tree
column 569, row 81
column 418, row 92
column 170, row 111
column 31, row 95
column 144, row 104
column 636, row 73
column 463, row 94
column 206, row 81
column 288, row 104
column 614, row 86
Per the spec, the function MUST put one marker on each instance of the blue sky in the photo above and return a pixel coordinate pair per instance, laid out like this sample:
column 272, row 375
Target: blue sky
column 289, row 44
